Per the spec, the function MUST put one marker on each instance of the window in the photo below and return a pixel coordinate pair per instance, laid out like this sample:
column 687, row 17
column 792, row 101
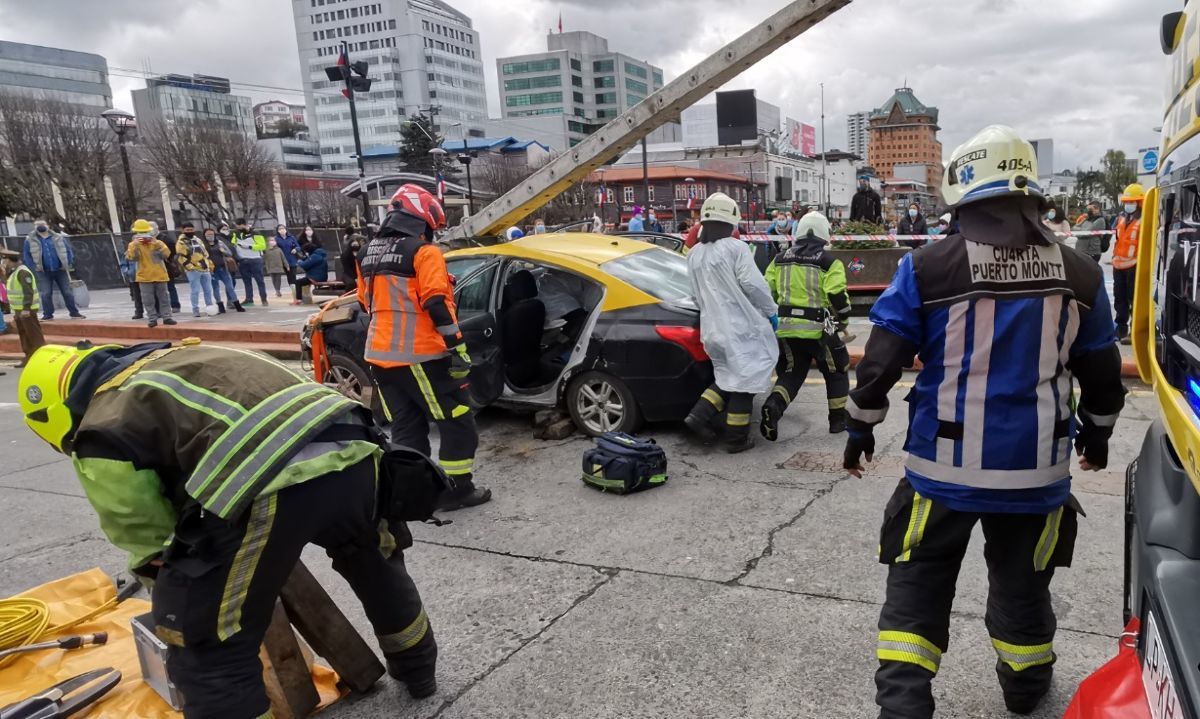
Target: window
column 526, row 83
column 636, row 70
column 633, row 99
column 605, row 81
column 606, row 98
column 391, row 24
column 577, row 81
column 539, row 98
column 657, row 272
column 577, row 96
column 604, row 114
column 658, row 78
column 650, row 198
column 576, row 65
column 518, row 68
column 473, row 296
column 627, row 193
column 602, row 66
column 636, row 86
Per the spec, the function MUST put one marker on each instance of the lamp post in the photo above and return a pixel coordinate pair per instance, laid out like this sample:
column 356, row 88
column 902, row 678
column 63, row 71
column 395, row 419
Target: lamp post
column 121, row 123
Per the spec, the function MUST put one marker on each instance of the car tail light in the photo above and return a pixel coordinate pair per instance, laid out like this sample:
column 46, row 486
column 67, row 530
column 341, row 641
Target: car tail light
column 686, row 337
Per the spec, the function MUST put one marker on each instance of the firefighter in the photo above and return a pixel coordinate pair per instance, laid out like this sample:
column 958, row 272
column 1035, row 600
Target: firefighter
column 417, row 354
column 213, row 468
column 1006, row 322
column 737, row 320
column 809, row 284
column 1124, row 259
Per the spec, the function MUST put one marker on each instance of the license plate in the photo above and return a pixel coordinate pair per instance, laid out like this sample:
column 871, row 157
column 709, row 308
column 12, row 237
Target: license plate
column 1157, row 677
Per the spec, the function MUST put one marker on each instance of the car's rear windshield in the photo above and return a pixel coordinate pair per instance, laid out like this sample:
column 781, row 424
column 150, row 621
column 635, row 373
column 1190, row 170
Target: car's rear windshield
column 655, row 271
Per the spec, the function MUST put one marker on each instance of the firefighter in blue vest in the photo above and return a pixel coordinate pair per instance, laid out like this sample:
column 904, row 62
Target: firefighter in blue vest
column 213, row 467
column 809, row 284
column 1006, row 323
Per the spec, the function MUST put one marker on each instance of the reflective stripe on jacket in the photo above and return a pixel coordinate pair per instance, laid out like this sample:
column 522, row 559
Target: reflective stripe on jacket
column 1128, row 232
column 219, row 425
column 398, row 276
column 808, row 282
column 22, row 290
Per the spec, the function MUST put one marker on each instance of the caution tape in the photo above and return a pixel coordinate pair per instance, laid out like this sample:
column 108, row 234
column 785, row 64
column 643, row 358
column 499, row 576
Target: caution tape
column 758, row 237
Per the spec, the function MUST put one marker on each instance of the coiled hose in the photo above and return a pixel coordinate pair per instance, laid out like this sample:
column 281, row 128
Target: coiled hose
column 25, row 621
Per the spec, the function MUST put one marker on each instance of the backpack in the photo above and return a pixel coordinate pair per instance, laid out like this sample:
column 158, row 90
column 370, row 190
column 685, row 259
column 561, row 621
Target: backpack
column 623, row 464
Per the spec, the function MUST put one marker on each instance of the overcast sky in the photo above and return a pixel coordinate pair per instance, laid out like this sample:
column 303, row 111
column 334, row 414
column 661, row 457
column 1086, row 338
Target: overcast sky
column 1087, row 74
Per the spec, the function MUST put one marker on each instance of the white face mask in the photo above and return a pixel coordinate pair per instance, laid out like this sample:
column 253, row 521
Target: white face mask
column 1050, row 214
column 912, row 213
column 1130, row 207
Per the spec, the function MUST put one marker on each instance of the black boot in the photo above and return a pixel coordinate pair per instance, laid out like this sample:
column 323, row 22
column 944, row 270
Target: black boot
column 1023, row 704
column 238, row 306
column 837, row 421
column 466, row 495
column 416, row 667
column 700, row 419
column 772, row 412
column 220, row 308
column 738, row 439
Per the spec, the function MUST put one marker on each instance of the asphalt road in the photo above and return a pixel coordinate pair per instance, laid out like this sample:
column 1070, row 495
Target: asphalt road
column 746, row 587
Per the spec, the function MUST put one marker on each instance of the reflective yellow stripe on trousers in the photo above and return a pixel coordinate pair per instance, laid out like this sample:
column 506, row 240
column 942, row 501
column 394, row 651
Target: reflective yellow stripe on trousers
column 1023, row 656
column 245, row 562
column 435, row 409
column 1048, row 541
column 917, row 519
column 908, row 647
column 406, row 638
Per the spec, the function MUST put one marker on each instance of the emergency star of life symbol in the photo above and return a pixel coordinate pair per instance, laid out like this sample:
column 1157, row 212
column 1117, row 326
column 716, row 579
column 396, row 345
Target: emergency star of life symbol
column 34, row 394
column 967, row 174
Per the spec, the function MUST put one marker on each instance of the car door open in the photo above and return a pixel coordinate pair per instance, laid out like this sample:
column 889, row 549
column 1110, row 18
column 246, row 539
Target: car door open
column 473, row 296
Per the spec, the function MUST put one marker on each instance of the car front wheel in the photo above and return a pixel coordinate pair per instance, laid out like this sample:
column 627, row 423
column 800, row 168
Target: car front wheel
column 601, row 403
column 351, row 379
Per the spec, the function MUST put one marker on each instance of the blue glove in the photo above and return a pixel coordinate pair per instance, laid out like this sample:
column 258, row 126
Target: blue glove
column 774, row 319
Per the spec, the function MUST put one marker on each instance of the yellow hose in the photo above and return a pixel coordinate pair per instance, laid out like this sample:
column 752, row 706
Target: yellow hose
column 25, row 621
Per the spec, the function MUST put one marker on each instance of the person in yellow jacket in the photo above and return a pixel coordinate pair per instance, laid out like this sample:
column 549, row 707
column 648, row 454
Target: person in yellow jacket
column 192, row 255
column 151, row 255
column 1124, row 260
column 25, row 301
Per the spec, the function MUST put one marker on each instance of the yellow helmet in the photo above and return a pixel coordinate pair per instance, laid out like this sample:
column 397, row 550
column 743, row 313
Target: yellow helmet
column 142, row 228
column 1133, row 193
column 43, row 388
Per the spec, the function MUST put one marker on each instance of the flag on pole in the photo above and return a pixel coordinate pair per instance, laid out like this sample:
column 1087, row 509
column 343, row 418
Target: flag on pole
column 691, row 197
column 560, row 22
column 343, row 62
column 603, row 194
column 441, row 187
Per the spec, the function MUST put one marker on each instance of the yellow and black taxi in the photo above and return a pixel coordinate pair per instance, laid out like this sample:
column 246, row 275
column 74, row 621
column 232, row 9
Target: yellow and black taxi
column 603, row 326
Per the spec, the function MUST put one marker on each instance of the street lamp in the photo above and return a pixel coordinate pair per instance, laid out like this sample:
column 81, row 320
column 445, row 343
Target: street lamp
column 121, row 123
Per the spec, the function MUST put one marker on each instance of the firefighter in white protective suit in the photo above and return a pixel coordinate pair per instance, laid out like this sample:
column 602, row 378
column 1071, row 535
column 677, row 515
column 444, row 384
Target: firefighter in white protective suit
column 738, row 319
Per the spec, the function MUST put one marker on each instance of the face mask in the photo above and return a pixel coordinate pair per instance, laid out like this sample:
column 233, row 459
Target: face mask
column 912, row 214
column 1051, row 214
column 43, row 228
column 188, row 233
column 1130, row 207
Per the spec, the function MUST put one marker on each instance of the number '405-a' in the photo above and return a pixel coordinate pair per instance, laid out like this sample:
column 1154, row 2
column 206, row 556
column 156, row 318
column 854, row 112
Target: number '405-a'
column 1015, row 164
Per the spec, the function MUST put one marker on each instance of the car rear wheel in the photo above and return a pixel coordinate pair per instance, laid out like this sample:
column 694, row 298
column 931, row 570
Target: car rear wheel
column 601, row 403
column 351, row 379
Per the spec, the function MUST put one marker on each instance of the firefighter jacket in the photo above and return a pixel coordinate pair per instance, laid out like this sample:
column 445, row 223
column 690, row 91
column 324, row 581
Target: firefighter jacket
column 1003, row 333
column 209, row 426
column 809, row 284
column 22, row 290
column 1128, row 230
column 398, row 279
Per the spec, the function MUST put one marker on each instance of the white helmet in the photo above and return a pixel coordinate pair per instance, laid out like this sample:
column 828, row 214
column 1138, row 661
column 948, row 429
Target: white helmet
column 995, row 162
column 513, row 233
column 815, row 223
column 720, row 207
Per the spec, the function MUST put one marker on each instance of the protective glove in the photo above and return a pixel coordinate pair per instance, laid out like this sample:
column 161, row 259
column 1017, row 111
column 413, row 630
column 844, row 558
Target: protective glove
column 1091, row 443
column 460, row 362
column 861, row 441
column 774, row 320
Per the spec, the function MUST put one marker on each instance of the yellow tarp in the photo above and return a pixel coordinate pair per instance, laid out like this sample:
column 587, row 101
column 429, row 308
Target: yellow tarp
column 72, row 597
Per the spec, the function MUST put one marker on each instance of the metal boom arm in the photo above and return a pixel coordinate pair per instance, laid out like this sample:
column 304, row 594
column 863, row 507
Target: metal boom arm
column 632, row 125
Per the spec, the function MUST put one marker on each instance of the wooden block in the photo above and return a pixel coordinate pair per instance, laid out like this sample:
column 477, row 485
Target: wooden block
column 328, row 632
column 289, row 678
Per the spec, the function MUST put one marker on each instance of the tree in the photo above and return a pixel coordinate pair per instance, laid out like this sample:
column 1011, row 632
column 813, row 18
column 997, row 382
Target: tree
column 417, row 138
column 320, row 206
column 203, row 164
column 45, row 143
column 1089, row 185
column 1115, row 175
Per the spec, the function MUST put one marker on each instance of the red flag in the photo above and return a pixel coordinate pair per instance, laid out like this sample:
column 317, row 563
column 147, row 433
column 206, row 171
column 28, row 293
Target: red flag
column 560, row 22
column 342, row 61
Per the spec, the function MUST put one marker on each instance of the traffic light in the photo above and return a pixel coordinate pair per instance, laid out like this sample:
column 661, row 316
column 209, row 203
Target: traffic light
column 352, row 73
column 359, row 81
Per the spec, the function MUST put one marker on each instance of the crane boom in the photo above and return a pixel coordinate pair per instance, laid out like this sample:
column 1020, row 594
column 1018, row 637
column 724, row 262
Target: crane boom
column 638, row 121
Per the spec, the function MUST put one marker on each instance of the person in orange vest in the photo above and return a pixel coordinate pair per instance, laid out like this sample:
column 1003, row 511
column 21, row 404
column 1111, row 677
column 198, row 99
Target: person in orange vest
column 1124, row 259
column 417, row 354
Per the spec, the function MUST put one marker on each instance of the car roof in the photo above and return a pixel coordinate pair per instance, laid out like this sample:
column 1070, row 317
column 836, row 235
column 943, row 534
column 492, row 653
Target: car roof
column 569, row 249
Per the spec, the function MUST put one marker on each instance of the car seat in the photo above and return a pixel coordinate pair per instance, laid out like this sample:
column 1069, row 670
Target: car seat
column 522, row 316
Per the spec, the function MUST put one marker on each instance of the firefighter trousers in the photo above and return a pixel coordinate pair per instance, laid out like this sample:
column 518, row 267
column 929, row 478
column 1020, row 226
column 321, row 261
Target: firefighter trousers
column 796, row 355
column 736, row 407
column 923, row 543
column 215, row 594
column 415, row 395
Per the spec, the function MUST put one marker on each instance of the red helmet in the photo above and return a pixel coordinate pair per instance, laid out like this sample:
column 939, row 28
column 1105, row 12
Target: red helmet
column 418, row 202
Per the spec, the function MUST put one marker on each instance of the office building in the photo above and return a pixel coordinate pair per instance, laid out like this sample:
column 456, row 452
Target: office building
column 271, row 117
column 421, row 54
column 49, row 73
column 578, row 77
column 201, row 99
column 292, row 153
column 1044, row 149
column 700, row 123
column 903, row 132
column 858, row 132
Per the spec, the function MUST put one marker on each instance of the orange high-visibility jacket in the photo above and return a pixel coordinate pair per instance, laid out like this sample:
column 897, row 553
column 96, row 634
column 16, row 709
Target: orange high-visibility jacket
column 397, row 277
column 1125, row 252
